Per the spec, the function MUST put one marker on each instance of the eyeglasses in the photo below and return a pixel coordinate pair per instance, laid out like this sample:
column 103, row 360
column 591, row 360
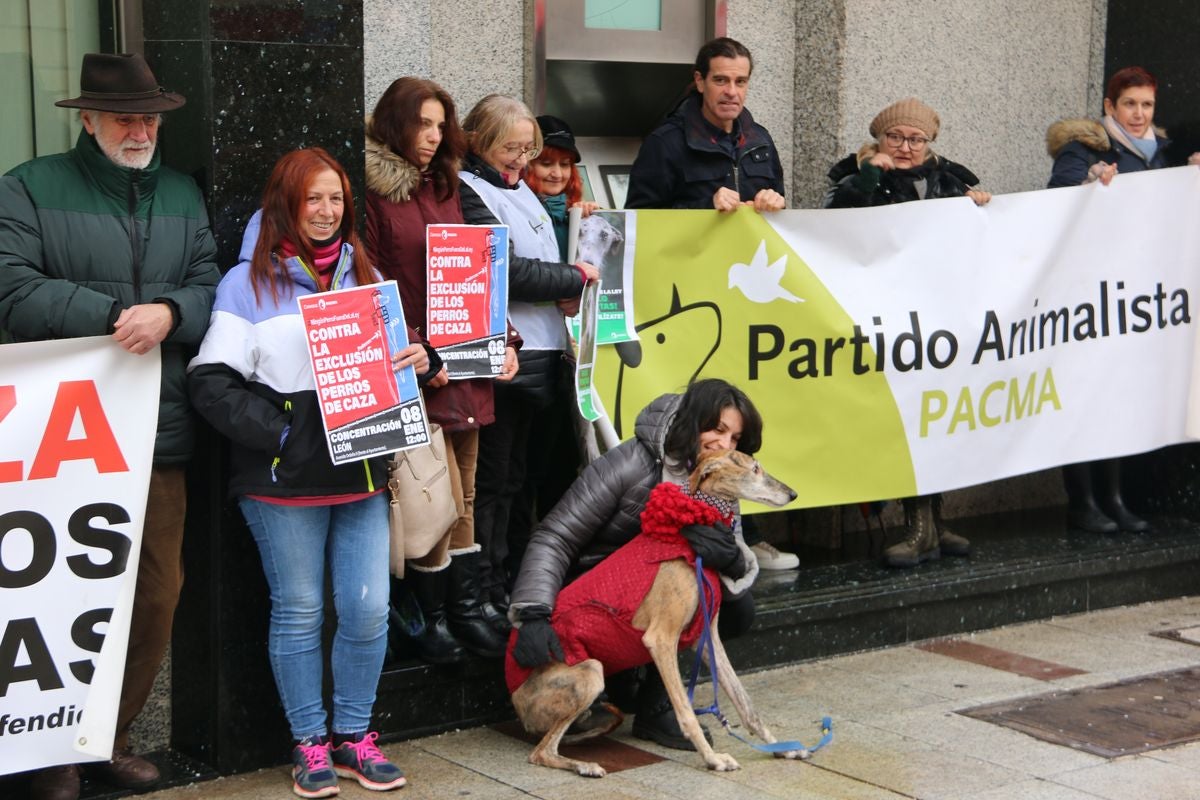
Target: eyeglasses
column 517, row 150
column 914, row 142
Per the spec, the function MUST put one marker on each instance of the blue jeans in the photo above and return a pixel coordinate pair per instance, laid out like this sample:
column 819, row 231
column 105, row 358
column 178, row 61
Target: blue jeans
column 295, row 542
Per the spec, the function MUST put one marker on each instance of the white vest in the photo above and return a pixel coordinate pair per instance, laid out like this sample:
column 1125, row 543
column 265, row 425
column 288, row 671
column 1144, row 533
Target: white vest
column 532, row 235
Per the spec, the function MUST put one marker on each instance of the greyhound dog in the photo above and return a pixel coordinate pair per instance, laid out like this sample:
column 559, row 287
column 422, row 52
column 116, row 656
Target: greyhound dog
column 553, row 695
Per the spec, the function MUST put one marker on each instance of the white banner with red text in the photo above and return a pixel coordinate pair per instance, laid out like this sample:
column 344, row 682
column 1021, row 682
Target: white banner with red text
column 77, row 426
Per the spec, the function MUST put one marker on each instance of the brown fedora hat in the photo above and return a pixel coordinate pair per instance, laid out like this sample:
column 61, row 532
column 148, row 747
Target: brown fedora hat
column 121, row 83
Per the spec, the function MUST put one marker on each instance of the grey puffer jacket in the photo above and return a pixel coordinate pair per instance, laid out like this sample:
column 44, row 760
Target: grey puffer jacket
column 602, row 511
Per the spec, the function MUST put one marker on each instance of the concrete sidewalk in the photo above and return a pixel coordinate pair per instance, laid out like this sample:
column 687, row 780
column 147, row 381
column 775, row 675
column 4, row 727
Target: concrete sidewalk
column 897, row 733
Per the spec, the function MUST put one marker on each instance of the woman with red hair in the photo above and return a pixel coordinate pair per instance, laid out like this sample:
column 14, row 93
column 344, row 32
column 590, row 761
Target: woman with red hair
column 1084, row 150
column 251, row 380
column 1123, row 140
column 554, row 176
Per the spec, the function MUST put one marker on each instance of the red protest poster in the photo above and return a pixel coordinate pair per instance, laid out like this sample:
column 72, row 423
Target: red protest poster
column 367, row 407
column 467, row 273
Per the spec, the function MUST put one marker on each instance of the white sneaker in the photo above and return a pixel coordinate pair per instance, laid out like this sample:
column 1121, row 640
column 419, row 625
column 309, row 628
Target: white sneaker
column 769, row 557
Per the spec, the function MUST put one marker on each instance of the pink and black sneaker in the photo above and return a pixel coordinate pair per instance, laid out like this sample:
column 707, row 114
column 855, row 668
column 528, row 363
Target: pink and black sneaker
column 312, row 770
column 357, row 757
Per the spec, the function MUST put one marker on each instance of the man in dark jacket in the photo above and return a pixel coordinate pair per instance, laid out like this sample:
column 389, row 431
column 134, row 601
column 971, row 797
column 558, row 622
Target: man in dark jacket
column 710, row 153
column 103, row 240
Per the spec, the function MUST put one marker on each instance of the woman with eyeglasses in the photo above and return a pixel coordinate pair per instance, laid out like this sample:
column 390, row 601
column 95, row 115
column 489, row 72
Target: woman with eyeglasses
column 899, row 166
column 502, row 136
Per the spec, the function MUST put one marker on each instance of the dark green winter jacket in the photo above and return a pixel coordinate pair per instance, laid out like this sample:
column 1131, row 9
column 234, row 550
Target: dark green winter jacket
column 82, row 238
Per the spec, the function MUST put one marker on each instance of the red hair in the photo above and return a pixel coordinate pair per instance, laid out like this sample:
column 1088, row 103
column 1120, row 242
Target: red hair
column 574, row 190
column 283, row 202
column 1128, row 78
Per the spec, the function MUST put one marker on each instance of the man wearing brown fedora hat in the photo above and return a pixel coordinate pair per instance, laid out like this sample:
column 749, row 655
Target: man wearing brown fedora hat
column 104, row 240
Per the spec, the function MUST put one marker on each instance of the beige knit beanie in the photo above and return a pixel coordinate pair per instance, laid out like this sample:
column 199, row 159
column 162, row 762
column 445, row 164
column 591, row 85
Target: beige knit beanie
column 909, row 111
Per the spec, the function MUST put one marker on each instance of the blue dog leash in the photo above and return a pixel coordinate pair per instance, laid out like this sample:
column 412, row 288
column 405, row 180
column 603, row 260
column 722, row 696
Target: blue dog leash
column 707, row 602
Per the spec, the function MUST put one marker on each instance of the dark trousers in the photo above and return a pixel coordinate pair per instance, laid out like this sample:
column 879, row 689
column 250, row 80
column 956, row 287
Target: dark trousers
column 552, row 465
column 159, row 581
column 499, row 476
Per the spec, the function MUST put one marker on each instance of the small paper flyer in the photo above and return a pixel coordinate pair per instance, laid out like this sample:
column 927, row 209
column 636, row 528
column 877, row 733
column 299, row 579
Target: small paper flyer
column 467, row 299
column 585, row 356
column 368, row 409
column 606, row 240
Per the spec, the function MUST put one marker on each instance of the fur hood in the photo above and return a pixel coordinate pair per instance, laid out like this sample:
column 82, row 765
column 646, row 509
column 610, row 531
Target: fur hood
column 1090, row 133
column 389, row 175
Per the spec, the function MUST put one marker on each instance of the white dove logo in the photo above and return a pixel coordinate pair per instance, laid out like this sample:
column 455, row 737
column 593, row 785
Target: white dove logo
column 759, row 282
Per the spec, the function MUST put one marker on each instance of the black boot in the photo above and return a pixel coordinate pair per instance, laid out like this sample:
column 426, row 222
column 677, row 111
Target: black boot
column 467, row 621
column 1107, row 475
column 496, row 616
column 655, row 720
column 1082, row 511
column 435, row 644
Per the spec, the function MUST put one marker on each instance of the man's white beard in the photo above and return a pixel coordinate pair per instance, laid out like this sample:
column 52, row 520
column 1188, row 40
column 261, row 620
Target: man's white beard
column 124, row 156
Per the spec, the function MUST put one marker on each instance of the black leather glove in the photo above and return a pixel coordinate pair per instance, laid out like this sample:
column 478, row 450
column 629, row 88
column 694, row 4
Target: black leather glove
column 718, row 547
column 537, row 643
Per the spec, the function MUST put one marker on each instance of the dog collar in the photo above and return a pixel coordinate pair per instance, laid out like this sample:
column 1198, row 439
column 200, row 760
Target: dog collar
column 727, row 507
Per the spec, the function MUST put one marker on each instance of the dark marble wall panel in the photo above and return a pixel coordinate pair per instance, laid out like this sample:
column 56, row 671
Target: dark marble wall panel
column 272, row 98
column 333, row 22
column 1163, row 37
column 186, row 135
column 261, row 78
column 178, row 20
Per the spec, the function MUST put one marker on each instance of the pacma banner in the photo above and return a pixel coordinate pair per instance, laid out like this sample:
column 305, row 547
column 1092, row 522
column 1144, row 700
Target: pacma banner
column 76, row 446
column 932, row 345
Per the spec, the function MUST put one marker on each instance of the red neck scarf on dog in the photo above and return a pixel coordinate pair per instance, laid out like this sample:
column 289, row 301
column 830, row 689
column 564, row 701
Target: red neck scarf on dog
column 669, row 508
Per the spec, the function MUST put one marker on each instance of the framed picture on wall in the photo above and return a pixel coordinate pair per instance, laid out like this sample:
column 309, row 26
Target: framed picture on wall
column 588, row 194
column 616, row 183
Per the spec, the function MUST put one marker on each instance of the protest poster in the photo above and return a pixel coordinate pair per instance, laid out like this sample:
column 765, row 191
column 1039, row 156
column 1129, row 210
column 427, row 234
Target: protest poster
column 467, row 299
column 607, row 240
column 78, row 420
column 928, row 346
column 367, row 408
column 585, row 352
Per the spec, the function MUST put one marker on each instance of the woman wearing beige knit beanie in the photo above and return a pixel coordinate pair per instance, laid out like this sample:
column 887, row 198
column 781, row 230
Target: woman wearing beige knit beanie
column 899, row 166
column 903, row 133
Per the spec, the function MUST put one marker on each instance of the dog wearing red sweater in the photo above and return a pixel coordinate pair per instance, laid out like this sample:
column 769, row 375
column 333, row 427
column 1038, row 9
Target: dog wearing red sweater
column 642, row 604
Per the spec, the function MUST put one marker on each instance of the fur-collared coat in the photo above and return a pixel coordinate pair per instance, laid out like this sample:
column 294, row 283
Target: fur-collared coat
column 1077, row 144
column 401, row 201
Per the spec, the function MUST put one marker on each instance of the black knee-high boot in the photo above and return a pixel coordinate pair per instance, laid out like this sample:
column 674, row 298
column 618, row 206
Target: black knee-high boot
column 467, row 621
column 1107, row 477
column 435, row 644
column 1082, row 511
